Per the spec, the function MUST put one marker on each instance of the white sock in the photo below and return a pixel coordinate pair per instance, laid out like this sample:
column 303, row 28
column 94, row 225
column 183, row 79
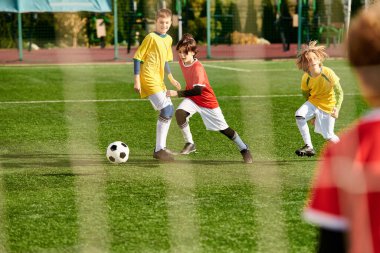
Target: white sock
column 334, row 139
column 187, row 134
column 239, row 142
column 161, row 134
column 304, row 130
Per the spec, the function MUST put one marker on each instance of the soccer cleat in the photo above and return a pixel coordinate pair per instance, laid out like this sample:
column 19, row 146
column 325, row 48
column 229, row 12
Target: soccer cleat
column 305, row 151
column 188, row 148
column 247, row 157
column 163, row 155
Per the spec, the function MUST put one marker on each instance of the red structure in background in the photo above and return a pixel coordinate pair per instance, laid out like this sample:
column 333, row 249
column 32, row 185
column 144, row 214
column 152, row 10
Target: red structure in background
column 106, row 55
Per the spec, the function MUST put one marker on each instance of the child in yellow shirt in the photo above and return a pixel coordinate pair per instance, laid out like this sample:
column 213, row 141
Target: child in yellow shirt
column 150, row 64
column 321, row 88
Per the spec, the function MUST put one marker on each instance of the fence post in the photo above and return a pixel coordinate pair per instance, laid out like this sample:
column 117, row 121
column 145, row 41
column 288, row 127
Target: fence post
column 19, row 28
column 299, row 24
column 115, row 30
column 208, row 25
column 179, row 13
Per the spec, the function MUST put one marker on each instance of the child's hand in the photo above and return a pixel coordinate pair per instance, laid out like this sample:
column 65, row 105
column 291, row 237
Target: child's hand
column 171, row 93
column 335, row 113
column 312, row 121
column 137, row 85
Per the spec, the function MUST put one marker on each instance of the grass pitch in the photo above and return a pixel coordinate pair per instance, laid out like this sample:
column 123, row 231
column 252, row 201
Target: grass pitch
column 58, row 193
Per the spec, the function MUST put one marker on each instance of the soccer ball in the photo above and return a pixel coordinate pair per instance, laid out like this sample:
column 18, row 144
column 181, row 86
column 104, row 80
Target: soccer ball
column 117, row 152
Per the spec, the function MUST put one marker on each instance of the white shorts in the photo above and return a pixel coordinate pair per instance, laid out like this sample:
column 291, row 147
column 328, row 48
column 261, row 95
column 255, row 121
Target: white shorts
column 159, row 100
column 212, row 118
column 324, row 122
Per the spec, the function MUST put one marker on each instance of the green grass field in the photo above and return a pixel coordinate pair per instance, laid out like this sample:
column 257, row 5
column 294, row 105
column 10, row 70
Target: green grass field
column 58, row 193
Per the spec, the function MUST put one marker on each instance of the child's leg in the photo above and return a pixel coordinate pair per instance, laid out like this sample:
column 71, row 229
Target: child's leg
column 303, row 114
column 162, row 103
column 324, row 125
column 244, row 150
column 185, row 110
column 234, row 136
column 181, row 117
column 163, row 124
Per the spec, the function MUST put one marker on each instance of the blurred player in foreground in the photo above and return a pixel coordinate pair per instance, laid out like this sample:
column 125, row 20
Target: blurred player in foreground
column 150, row 64
column 200, row 97
column 321, row 88
column 345, row 198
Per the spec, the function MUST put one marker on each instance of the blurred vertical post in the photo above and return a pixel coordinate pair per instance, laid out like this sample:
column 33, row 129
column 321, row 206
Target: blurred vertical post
column 348, row 18
column 299, row 24
column 208, row 27
column 19, row 28
column 179, row 13
column 115, row 38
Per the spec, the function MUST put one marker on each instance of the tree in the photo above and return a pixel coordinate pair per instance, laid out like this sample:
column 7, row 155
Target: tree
column 268, row 30
column 319, row 17
column 251, row 23
column 218, row 22
column 234, row 12
column 69, row 27
column 337, row 12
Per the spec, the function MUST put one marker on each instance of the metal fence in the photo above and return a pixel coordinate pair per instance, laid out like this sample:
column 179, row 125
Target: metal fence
column 225, row 22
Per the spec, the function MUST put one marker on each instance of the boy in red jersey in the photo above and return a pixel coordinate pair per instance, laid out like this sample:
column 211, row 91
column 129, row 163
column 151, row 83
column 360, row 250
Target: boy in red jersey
column 200, row 97
column 345, row 198
column 320, row 86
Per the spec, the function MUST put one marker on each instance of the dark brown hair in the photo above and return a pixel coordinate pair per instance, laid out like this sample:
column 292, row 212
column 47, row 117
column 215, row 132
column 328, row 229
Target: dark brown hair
column 363, row 41
column 188, row 42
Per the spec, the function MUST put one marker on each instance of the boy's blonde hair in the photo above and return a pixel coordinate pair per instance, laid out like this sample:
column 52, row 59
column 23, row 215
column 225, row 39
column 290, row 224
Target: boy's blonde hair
column 163, row 13
column 302, row 61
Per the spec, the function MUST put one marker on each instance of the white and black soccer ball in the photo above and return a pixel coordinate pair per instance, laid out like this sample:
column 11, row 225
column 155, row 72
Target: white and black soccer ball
column 118, row 152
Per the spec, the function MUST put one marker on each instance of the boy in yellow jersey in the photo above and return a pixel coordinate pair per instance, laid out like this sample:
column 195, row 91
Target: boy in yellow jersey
column 150, row 64
column 321, row 88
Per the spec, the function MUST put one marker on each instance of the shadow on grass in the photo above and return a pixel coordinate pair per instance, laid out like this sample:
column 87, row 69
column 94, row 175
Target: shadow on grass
column 57, row 160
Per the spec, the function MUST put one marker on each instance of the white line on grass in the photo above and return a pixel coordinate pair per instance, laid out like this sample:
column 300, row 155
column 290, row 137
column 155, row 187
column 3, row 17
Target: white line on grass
column 227, row 68
column 145, row 100
column 260, row 69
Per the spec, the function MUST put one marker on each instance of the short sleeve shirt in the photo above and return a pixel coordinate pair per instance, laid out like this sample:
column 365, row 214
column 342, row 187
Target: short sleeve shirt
column 194, row 75
column 153, row 52
column 346, row 192
column 321, row 89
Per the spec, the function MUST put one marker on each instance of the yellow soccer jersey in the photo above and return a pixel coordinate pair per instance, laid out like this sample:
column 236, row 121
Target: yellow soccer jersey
column 321, row 89
column 153, row 52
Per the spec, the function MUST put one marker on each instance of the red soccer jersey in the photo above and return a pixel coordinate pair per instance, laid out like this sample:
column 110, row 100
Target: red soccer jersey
column 346, row 192
column 195, row 74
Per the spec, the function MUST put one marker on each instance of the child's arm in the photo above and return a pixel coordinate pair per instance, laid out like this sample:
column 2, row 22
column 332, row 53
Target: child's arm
column 306, row 94
column 339, row 99
column 174, row 82
column 196, row 91
column 136, row 70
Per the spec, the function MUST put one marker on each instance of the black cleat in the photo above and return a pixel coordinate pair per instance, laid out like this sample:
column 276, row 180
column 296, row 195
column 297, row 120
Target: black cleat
column 305, row 151
column 188, row 148
column 247, row 157
column 163, row 155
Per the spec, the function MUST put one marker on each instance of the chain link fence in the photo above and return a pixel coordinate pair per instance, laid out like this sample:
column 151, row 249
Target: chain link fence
column 232, row 22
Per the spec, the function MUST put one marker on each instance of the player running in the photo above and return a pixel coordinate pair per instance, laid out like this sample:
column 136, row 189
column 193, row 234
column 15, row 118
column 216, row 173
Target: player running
column 200, row 97
column 321, row 88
